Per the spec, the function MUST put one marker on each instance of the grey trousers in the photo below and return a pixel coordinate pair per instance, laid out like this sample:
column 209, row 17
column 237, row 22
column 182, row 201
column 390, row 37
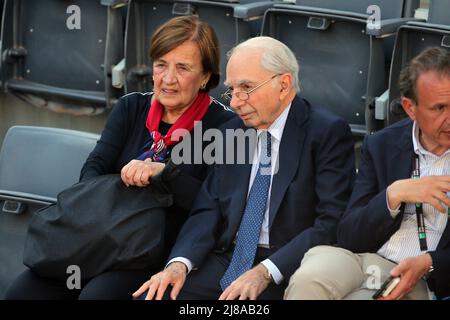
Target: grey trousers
column 331, row 273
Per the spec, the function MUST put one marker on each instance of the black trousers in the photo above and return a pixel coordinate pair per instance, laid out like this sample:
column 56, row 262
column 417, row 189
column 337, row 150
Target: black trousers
column 204, row 283
column 113, row 285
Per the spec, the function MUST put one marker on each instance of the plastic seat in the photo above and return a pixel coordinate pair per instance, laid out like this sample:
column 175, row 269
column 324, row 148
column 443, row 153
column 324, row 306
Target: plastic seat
column 229, row 18
column 60, row 52
column 36, row 163
column 342, row 57
column 413, row 38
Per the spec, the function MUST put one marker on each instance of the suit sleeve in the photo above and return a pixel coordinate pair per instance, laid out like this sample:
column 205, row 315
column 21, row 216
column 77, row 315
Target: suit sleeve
column 441, row 274
column 367, row 221
column 199, row 233
column 334, row 174
column 184, row 180
column 103, row 158
column 183, row 186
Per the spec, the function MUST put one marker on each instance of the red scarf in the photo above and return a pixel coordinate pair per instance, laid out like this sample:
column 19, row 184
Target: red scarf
column 186, row 121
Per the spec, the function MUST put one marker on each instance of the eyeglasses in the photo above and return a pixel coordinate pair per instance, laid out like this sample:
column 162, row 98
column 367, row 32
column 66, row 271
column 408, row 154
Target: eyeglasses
column 245, row 95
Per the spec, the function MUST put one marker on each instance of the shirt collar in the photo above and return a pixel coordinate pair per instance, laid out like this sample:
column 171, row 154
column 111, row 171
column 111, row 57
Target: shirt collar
column 277, row 127
column 418, row 148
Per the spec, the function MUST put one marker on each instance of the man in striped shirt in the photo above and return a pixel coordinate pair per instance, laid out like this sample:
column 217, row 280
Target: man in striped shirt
column 396, row 220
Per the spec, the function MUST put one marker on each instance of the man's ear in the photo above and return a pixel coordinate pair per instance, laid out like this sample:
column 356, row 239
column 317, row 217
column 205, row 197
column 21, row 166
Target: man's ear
column 409, row 107
column 285, row 85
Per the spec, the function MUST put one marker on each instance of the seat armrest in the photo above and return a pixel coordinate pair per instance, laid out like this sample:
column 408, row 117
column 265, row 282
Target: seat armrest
column 249, row 10
column 423, row 24
column 388, row 26
column 114, row 3
column 305, row 10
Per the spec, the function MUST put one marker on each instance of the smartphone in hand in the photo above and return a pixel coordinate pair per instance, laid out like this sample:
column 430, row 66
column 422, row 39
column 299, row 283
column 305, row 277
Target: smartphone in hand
column 387, row 287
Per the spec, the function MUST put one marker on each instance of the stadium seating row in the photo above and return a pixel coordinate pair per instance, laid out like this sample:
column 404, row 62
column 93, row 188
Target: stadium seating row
column 36, row 163
column 89, row 53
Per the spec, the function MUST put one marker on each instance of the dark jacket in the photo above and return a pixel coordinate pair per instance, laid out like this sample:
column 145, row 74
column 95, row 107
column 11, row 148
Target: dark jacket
column 367, row 224
column 309, row 192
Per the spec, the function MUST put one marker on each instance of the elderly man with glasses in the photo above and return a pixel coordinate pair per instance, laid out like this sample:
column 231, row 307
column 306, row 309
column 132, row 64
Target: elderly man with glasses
column 252, row 222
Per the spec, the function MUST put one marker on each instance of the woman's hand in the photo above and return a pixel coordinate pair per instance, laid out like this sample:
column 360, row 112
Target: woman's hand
column 138, row 173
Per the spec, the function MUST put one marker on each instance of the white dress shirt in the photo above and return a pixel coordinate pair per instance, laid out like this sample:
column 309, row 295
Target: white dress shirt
column 404, row 243
column 276, row 131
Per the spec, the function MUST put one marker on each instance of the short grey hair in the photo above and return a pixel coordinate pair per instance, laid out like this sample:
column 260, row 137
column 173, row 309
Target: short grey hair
column 276, row 56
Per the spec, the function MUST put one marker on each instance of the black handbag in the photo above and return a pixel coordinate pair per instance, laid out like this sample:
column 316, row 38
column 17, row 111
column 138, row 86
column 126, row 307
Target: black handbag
column 98, row 225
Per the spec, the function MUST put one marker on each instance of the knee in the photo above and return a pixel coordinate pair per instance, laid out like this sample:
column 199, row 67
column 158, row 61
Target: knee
column 13, row 293
column 17, row 289
column 302, row 284
column 26, row 286
column 314, row 279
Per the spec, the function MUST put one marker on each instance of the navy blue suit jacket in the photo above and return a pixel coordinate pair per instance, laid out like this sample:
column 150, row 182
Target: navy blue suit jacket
column 367, row 224
column 308, row 196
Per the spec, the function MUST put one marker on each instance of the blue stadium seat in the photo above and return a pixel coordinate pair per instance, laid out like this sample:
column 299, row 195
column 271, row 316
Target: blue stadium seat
column 413, row 38
column 229, row 18
column 343, row 58
column 36, row 163
column 62, row 52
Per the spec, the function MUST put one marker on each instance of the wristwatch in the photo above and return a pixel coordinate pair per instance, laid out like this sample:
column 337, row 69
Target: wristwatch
column 429, row 273
column 267, row 274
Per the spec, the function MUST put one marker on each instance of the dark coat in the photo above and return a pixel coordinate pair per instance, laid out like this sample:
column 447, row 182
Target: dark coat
column 367, row 224
column 308, row 196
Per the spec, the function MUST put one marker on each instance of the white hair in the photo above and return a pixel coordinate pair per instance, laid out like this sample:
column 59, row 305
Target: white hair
column 276, row 56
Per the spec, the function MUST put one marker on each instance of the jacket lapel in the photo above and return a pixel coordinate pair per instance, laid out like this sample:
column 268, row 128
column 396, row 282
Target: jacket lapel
column 401, row 156
column 240, row 174
column 445, row 239
column 289, row 155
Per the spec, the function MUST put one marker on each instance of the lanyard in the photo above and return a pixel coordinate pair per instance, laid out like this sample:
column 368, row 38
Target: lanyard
column 419, row 210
